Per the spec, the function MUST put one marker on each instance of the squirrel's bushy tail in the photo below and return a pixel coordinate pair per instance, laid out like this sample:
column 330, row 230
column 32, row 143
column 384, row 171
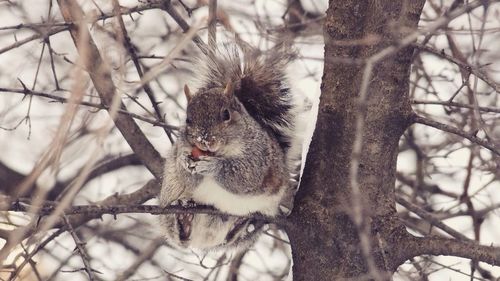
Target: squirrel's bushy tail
column 260, row 84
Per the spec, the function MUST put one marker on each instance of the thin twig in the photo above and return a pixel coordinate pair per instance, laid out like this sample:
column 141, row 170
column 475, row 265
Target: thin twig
column 30, row 255
column 58, row 27
column 89, row 104
column 81, row 250
column 430, row 218
column 100, row 75
column 148, row 191
column 133, row 55
column 463, row 66
column 145, row 255
column 443, row 127
column 183, row 24
column 456, row 104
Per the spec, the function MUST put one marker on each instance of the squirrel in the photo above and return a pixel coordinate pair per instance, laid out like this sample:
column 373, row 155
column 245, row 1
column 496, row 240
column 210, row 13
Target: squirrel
column 231, row 153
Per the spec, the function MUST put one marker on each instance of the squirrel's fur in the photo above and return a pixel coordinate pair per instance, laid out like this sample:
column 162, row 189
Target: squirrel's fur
column 241, row 117
column 260, row 84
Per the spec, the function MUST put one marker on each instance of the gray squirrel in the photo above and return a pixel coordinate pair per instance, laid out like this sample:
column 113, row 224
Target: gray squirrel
column 233, row 151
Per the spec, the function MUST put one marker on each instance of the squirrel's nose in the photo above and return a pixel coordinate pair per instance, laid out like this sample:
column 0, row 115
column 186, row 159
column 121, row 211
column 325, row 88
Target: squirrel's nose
column 211, row 146
column 207, row 143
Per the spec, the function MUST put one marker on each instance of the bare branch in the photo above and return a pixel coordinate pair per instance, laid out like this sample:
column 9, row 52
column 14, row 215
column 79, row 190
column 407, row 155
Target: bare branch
column 463, row 66
column 453, row 130
column 96, row 211
column 144, row 256
column 148, row 191
column 89, row 104
column 101, row 77
column 182, row 23
column 80, row 247
column 57, row 27
column 438, row 246
column 430, row 218
column 131, row 49
column 456, row 104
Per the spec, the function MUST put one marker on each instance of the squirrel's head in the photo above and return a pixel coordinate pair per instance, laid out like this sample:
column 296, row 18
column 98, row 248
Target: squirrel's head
column 212, row 116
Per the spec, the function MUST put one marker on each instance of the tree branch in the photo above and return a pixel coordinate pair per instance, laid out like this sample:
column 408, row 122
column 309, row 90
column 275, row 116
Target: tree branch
column 463, row 66
column 131, row 50
column 167, row 7
column 56, row 27
column 101, row 77
column 456, row 104
column 10, row 179
column 438, row 246
column 144, row 256
column 80, row 248
column 97, row 210
column 104, row 167
column 148, row 191
column 430, row 218
column 55, row 98
column 443, row 127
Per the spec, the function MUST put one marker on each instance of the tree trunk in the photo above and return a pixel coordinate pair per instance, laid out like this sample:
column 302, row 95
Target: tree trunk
column 324, row 238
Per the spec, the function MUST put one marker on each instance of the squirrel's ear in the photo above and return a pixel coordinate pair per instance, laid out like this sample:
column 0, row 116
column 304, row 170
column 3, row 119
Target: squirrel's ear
column 228, row 91
column 187, row 92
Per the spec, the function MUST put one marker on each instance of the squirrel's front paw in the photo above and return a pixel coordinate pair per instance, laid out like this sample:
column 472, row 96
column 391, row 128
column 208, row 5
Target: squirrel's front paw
column 186, row 162
column 206, row 165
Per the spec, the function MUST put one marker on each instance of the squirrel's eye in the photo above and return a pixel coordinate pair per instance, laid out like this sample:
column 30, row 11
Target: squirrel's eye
column 226, row 116
column 188, row 121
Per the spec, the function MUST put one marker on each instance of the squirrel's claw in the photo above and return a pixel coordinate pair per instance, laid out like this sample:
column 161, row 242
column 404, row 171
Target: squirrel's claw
column 187, row 163
column 202, row 168
column 206, row 165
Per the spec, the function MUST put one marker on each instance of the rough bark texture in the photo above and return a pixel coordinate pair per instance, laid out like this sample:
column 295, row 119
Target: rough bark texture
column 325, row 242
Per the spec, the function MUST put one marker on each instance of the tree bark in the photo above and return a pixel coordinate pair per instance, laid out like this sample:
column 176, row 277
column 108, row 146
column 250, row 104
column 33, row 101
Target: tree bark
column 324, row 238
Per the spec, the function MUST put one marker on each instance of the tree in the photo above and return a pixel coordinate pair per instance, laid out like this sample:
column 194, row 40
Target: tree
column 347, row 191
column 377, row 109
